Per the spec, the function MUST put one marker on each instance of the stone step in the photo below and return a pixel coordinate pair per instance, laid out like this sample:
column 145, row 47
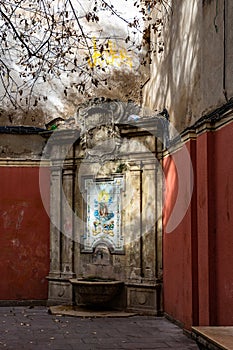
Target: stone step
column 213, row 337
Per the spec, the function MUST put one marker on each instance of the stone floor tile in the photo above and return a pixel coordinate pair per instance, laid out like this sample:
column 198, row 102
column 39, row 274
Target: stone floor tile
column 34, row 329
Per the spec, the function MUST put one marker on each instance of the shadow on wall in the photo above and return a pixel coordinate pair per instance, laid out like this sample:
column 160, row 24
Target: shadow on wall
column 175, row 77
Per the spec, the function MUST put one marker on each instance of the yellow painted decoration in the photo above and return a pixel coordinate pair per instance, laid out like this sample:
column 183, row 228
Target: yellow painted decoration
column 112, row 56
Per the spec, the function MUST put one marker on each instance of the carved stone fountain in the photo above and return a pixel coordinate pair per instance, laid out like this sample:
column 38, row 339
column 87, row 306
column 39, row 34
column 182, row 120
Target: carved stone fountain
column 106, row 194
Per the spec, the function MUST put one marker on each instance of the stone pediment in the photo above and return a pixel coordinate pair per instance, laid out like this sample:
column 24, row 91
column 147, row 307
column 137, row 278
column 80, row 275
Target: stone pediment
column 100, row 123
column 98, row 119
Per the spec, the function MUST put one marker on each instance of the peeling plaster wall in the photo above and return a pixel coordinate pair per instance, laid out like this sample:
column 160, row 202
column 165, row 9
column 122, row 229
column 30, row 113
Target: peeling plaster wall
column 21, row 146
column 24, row 238
column 190, row 76
column 24, row 223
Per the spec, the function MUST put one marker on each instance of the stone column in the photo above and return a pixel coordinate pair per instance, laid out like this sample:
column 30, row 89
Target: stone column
column 131, row 224
column 55, row 220
column 55, row 233
column 67, row 220
column 159, row 225
column 61, row 230
column 149, row 221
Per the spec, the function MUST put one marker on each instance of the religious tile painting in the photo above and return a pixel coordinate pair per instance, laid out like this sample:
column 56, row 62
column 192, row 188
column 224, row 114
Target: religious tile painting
column 103, row 214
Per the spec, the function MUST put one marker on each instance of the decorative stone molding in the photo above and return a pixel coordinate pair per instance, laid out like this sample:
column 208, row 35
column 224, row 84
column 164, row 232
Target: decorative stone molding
column 30, row 163
column 105, row 170
column 101, row 143
column 102, row 111
column 208, row 123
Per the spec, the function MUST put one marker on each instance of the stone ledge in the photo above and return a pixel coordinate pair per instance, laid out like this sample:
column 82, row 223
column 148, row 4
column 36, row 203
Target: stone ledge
column 20, row 130
column 213, row 338
column 77, row 311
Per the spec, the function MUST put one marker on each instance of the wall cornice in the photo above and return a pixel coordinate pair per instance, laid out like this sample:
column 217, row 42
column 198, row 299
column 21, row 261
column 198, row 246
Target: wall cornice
column 24, row 163
column 210, row 122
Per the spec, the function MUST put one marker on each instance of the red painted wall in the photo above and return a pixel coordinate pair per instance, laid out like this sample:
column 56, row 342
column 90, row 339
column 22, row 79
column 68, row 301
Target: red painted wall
column 206, row 190
column 24, row 235
column 178, row 250
column 198, row 253
column 224, row 225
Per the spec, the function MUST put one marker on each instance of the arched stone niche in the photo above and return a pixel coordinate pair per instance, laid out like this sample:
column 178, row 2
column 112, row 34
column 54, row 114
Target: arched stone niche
column 106, row 191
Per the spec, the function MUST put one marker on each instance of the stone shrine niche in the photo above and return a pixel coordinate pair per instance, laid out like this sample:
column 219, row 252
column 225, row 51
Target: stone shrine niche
column 103, row 198
column 107, row 172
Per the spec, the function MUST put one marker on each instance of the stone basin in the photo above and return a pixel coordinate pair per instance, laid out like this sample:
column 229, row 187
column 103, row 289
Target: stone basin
column 95, row 291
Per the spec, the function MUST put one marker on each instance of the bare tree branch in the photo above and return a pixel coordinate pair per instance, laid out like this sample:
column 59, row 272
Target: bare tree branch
column 43, row 40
